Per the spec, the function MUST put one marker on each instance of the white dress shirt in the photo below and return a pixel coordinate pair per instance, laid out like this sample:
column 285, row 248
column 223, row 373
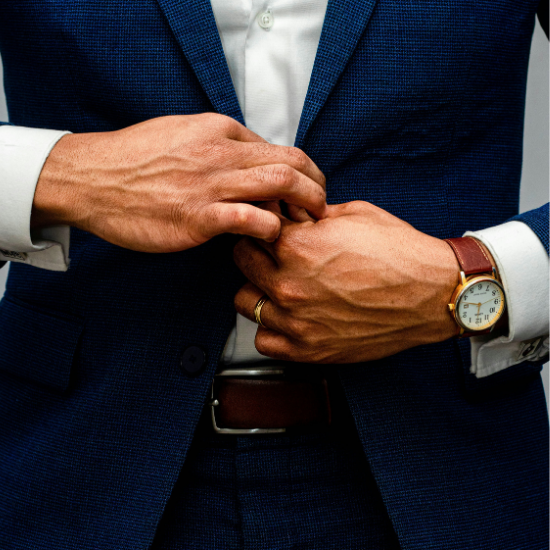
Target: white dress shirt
column 270, row 47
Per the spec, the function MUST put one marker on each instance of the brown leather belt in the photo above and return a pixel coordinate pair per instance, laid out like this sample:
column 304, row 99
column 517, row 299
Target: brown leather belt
column 269, row 399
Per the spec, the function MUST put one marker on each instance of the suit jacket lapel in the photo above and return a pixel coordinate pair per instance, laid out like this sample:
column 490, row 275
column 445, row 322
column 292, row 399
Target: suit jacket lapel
column 345, row 21
column 194, row 26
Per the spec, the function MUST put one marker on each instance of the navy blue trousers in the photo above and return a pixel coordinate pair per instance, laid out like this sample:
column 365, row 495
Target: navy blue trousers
column 303, row 491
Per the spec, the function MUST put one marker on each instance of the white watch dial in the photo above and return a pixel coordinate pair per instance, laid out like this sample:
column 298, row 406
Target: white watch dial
column 481, row 304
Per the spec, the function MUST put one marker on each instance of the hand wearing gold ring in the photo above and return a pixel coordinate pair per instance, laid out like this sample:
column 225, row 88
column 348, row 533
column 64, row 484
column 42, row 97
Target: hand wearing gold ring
column 356, row 286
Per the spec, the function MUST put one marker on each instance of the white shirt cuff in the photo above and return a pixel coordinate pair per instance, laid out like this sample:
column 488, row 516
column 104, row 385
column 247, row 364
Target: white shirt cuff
column 23, row 152
column 523, row 268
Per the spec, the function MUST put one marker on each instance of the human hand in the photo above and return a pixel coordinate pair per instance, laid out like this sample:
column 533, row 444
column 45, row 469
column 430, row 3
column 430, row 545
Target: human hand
column 356, row 286
column 172, row 183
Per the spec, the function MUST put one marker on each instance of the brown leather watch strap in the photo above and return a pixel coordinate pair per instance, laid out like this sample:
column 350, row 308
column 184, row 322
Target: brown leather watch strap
column 471, row 256
column 473, row 260
column 271, row 403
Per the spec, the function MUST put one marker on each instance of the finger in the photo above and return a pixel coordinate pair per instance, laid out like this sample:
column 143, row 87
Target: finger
column 261, row 154
column 298, row 214
column 276, row 345
column 253, row 150
column 272, row 206
column 241, row 219
column 273, row 248
column 276, row 182
column 256, row 264
column 271, row 315
column 246, row 299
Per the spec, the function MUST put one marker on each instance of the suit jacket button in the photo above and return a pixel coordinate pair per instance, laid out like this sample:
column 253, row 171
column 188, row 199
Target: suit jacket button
column 193, row 360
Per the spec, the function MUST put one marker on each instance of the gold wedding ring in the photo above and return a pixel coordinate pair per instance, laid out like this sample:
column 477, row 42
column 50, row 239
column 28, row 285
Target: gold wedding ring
column 258, row 309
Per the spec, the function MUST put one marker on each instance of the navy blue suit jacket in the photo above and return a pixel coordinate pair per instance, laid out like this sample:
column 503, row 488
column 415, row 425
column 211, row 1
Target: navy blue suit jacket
column 416, row 107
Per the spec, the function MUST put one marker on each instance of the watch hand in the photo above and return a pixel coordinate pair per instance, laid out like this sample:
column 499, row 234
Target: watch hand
column 477, row 305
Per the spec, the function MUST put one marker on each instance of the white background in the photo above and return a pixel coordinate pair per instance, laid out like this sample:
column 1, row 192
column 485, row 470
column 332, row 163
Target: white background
column 534, row 190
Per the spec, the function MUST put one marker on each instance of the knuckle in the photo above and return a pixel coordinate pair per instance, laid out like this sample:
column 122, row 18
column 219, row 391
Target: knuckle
column 227, row 123
column 284, row 176
column 210, row 120
column 356, row 206
column 350, row 207
column 286, row 293
column 239, row 216
column 284, row 249
column 310, row 341
column 219, row 120
column 298, row 158
column 217, row 124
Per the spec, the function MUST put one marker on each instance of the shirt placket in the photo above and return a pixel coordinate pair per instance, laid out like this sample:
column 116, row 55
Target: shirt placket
column 265, row 79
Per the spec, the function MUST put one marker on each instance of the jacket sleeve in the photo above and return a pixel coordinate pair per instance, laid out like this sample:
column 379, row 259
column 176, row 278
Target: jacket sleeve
column 537, row 220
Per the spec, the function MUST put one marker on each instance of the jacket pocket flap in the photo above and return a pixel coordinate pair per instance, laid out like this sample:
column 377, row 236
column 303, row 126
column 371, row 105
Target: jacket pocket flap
column 37, row 346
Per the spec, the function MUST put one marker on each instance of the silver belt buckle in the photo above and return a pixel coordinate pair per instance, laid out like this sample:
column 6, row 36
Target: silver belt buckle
column 243, row 373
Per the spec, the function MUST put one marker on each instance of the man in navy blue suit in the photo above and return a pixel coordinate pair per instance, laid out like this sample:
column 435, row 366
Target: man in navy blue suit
column 370, row 154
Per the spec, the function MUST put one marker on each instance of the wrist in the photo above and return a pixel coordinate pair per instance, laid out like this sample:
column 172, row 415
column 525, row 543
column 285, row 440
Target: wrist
column 448, row 277
column 58, row 194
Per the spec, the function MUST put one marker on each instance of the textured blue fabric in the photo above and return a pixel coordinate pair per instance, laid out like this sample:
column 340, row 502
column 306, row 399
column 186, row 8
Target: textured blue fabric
column 537, row 220
column 53, row 339
column 417, row 107
column 290, row 492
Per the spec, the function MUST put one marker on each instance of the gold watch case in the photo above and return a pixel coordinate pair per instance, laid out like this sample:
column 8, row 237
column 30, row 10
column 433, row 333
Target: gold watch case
column 464, row 285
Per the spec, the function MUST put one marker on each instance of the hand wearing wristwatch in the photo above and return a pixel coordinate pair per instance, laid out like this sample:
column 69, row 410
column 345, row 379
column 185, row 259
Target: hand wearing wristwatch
column 478, row 303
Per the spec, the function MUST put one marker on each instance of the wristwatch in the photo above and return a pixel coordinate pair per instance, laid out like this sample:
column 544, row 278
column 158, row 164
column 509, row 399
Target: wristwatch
column 478, row 303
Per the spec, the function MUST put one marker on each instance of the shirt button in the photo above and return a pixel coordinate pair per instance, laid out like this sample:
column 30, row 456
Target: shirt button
column 265, row 20
column 193, row 360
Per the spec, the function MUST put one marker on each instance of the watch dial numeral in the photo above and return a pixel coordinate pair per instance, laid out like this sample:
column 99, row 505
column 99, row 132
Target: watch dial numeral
column 480, row 305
